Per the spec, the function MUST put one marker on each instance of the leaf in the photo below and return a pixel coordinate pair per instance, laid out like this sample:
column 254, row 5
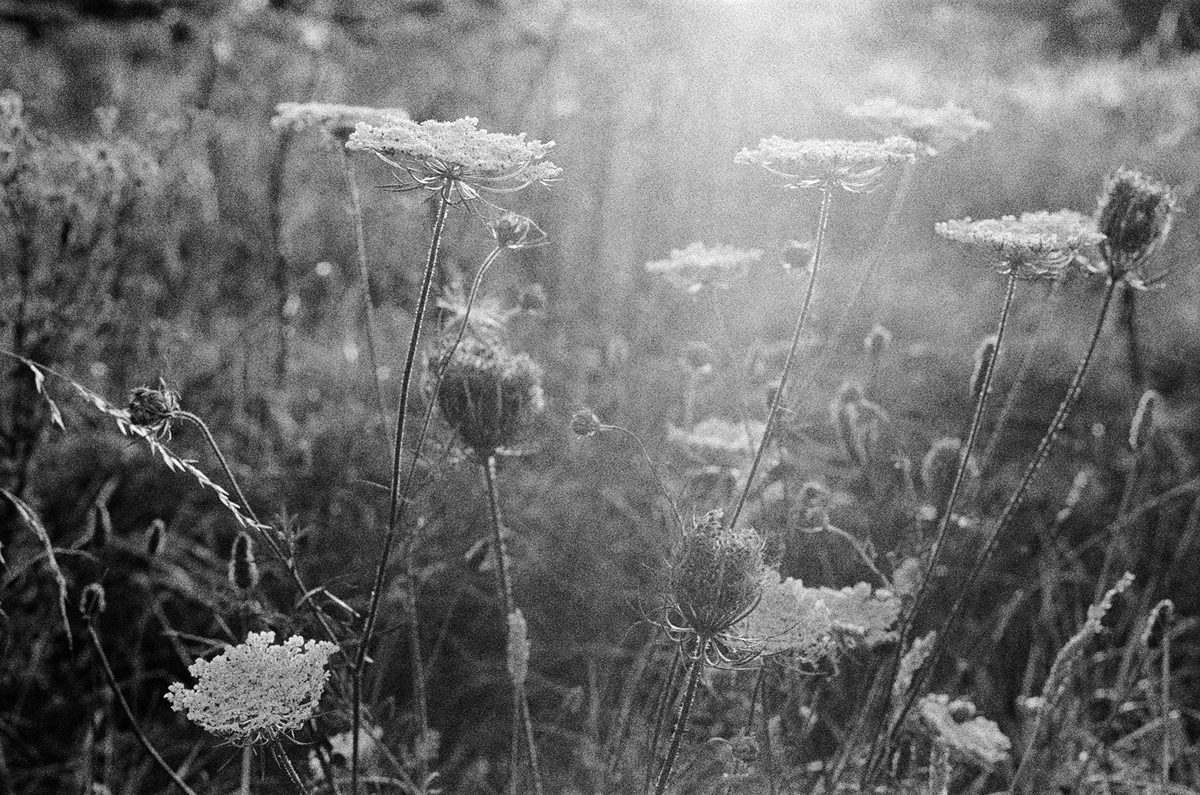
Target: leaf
column 30, row 518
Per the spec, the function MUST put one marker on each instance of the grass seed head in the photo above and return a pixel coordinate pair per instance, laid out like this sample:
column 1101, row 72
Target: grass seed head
column 984, row 360
column 938, row 469
column 1135, row 215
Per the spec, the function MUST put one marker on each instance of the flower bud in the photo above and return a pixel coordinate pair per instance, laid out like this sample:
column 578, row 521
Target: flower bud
column 1135, row 216
column 585, row 423
column 92, row 601
column 243, row 569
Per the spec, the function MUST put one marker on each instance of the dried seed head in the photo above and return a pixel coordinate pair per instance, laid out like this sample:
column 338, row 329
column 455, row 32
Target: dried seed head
column 716, row 575
column 1143, row 419
column 877, row 341
column 243, row 570
column 92, row 601
column 585, row 423
column 489, row 395
column 984, row 358
column 518, row 648
column 513, row 230
column 860, row 424
column 1135, row 215
column 938, row 469
column 154, row 409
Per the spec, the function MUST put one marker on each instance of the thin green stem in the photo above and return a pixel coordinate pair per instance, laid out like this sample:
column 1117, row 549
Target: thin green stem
column 822, row 225
column 133, row 723
column 1074, row 389
column 504, row 585
column 364, row 274
column 685, row 707
column 418, row 672
column 661, row 707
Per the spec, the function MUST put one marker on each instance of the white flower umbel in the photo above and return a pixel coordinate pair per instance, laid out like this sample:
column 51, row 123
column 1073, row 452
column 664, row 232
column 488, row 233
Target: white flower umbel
column 337, row 120
column 457, row 153
column 1032, row 244
column 697, row 266
column 854, row 166
column 935, row 129
column 258, row 691
column 969, row 735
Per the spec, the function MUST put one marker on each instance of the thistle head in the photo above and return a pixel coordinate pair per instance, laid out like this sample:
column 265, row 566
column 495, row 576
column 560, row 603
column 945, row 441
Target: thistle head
column 716, row 575
column 256, row 692
column 1032, row 245
column 854, row 166
column 935, row 129
column 1135, row 215
column 697, row 266
column 153, row 409
column 488, row 394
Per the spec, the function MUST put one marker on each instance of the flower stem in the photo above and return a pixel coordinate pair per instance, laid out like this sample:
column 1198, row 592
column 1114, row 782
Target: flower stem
column 822, row 224
column 1074, row 389
column 364, row 274
column 389, row 540
column 685, row 708
column 133, row 723
column 661, row 707
column 504, row 585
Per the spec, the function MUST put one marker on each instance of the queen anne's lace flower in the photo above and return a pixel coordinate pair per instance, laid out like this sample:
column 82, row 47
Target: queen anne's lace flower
column 1135, row 214
column 854, row 166
column 1032, row 244
column 956, row 725
column 257, row 691
column 457, row 155
column 934, row 128
column 697, row 266
column 718, row 441
column 337, row 120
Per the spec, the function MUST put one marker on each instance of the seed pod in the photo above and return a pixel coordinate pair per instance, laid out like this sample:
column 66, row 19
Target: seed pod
column 1135, row 216
column 716, row 575
column 153, row 409
column 985, row 356
column 243, row 570
column 92, row 601
column 585, row 423
column 1143, row 419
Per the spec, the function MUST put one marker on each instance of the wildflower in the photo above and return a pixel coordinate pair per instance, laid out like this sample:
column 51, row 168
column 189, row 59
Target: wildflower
column 489, row 394
column 585, row 423
column 1033, row 245
column 934, row 128
column 153, row 409
column 715, row 582
column 912, row 661
column 1135, row 214
column 938, row 469
column 456, row 156
column 956, row 725
column 719, row 441
column 854, row 166
column 258, row 691
column 697, row 266
column 333, row 119
column 513, row 230
column 1143, row 418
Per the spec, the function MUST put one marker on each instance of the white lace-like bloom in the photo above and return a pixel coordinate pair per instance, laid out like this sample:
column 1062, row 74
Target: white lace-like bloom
column 457, row 154
column 1033, row 245
column 956, row 725
column 854, row 166
column 718, row 441
column 816, row 622
column 257, row 691
column 934, row 128
column 697, row 266
column 337, row 120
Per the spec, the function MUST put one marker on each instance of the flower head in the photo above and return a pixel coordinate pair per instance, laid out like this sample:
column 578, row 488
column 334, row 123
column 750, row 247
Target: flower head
column 854, row 166
column 488, row 395
column 513, row 230
column 956, row 725
column 153, row 409
column 1135, row 214
column 457, row 156
column 257, row 691
column 1033, row 245
column 697, row 266
column 336, row 120
column 934, row 128
column 585, row 423
column 715, row 582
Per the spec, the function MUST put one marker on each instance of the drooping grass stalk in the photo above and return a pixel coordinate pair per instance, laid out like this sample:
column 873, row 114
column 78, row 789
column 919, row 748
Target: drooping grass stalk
column 1018, row 383
column 520, row 699
column 681, row 720
column 389, row 540
column 133, row 722
column 1074, row 390
column 822, row 225
column 247, row 770
column 364, row 274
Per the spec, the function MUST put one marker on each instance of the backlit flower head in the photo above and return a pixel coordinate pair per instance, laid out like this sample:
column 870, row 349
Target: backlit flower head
column 489, row 395
column 697, row 266
column 334, row 119
column 1039, row 244
column 457, row 155
column 718, row 441
column 1135, row 214
column 854, row 166
column 258, row 691
column 970, row 736
column 934, row 128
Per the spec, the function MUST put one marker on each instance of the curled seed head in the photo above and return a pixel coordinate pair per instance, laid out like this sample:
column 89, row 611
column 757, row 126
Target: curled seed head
column 716, row 575
column 1135, row 216
column 243, row 569
column 585, row 423
column 1143, row 419
column 153, row 409
column 92, row 601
